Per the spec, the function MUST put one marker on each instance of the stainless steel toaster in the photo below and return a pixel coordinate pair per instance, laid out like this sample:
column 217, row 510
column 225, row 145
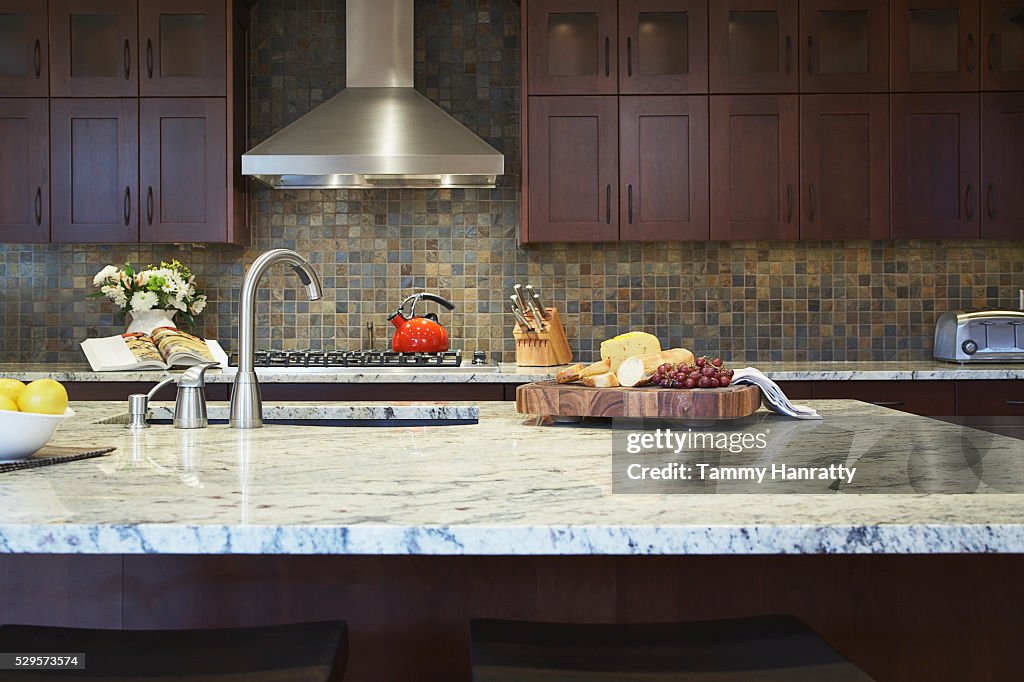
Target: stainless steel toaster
column 980, row 336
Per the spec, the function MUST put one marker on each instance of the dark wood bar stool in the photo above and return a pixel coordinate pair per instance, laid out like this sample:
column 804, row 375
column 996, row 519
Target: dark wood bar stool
column 303, row 652
column 758, row 649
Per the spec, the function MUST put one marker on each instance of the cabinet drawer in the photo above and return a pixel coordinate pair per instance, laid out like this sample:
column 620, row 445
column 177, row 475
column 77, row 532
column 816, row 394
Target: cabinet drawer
column 990, row 398
column 796, row 390
column 929, row 398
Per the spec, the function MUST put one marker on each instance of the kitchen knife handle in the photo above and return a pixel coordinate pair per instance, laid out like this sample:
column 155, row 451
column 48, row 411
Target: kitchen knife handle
column 37, row 56
column 970, row 53
column 607, row 56
column 970, row 202
column 608, row 204
column 629, row 56
column 149, row 58
column 127, row 60
column 814, row 202
column 789, row 203
column 149, row 205
column 991, row 51
column 629, row 201
column 789, row 55
column 991, row 200
column 810, row 54
column 39, row 205
column 127, row 205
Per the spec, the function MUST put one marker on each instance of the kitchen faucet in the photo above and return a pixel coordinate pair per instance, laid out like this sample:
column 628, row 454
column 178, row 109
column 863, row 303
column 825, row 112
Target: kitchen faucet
column 246, row 406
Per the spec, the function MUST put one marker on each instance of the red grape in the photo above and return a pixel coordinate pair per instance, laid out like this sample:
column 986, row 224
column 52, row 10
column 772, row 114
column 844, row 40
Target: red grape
column 713, row 382
column 717, row 362
column 701, row 360
column 724, row 381
column 690, row 383
column 704, row 382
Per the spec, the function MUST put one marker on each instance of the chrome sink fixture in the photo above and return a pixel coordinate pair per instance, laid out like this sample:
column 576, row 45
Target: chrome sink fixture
column 246, row 406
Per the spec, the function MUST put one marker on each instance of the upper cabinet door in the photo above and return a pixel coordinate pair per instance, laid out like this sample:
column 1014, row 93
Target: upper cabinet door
column 935, row 45
column 183, row 169
column 24, row 63
column 663, row 168
column 755, row 167
column 572, row 47
column 95, row 170
column 753, row 45
column 1002, row 165
column 844, row 166
column 24, row 167
column 935, row 167
column 573, row 168
column 1002, row 26
column 182, row 48
column 94, row 48
column 846, row 46
column 663, row 46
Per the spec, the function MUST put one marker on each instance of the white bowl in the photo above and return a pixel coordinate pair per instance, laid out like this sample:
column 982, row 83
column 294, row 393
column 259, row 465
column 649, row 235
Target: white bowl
column 24, row 433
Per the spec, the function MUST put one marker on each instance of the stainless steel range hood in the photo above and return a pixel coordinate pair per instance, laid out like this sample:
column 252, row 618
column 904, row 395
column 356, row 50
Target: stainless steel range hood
column 379, row 131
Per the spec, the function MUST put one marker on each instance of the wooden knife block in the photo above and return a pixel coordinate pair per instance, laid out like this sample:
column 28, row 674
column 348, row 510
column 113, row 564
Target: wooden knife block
column 542, row 349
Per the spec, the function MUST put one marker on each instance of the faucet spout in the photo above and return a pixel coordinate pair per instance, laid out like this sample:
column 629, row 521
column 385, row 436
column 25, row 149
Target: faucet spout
column 246, row 405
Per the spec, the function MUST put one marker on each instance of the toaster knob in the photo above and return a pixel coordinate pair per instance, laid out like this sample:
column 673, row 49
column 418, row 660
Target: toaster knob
column 970, row 347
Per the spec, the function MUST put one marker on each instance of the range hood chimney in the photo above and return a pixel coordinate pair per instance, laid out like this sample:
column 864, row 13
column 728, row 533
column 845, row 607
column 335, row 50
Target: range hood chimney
column 379, row 131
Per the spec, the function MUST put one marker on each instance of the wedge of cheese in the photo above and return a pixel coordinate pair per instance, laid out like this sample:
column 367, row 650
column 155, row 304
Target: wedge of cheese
column 627, row 345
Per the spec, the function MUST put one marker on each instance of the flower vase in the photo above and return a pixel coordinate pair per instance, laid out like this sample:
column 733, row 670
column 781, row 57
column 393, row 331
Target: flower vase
column 145, row 322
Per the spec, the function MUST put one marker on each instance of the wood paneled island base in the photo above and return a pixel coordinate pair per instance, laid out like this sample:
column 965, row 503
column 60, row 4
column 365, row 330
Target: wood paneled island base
column 934, row 617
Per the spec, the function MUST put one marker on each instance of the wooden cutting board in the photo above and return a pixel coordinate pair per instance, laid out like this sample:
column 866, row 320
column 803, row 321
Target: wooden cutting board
column 576, row 400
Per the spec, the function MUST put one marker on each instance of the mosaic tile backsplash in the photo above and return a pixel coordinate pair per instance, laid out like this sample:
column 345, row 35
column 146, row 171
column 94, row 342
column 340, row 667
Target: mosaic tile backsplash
column 748, row 300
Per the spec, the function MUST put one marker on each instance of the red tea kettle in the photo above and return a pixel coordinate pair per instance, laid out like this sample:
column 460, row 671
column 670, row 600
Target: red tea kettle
column 414, row 334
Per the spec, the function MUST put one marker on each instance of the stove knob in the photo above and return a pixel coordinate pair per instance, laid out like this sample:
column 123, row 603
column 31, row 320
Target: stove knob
column 479, row 357
column 970, row 347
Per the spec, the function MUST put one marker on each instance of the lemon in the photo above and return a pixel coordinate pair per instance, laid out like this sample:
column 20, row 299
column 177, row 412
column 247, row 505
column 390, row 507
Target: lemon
column 44, row 396
column 8, row 404
column 11, row 388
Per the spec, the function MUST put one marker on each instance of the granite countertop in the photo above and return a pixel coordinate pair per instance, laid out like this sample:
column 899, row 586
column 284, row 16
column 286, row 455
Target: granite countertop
column 510, row 373
column 505, row 486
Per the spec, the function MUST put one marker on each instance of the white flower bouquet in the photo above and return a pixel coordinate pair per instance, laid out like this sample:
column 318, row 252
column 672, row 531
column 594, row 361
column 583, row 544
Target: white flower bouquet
column 169, row 286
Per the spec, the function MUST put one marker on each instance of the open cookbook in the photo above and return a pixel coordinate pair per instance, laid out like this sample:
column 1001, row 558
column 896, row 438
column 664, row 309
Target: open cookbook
column 165, row 348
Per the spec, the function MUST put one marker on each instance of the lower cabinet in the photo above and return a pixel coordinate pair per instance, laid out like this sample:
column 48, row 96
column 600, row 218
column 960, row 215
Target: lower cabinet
column 928, row 398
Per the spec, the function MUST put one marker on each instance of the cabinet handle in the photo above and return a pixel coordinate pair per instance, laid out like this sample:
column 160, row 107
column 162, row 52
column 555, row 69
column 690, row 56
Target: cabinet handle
column 127, row 60
column 810, row 54
column 149, row 205
column 39, row 205
column 629, row 195
column 629, row 56
column 970, row 202
column 37, row 56
column 789, row 55
column 888, row 403
column 127, row 205
column 970, row 53
column 991, row 200
column 991, row 51
column 607, row 56
column 608, row 205
column 1015, row 402
column 813, row 202
column 789, row 203
column 149, row 58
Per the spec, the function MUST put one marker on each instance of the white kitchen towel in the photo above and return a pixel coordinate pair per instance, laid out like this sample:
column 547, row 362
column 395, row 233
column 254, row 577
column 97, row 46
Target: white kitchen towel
column 773, row 395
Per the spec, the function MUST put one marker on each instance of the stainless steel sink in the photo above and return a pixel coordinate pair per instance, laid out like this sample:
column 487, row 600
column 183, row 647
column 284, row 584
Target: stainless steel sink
column 332, row 415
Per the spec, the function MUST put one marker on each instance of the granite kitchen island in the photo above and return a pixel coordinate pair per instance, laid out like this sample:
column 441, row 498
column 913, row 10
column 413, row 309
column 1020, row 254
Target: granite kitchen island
column 409, row 531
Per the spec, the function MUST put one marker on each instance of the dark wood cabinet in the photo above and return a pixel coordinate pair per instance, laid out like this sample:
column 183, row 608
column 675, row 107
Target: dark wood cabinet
column 753, row 46
column 572, row 47
column 936, row 192
column 1002, row 165
column 1002, row 29
column 663, row 168
column 94, row 48
column 663, row 47
column 95, row 168
column 24, row 59
column 755, row 167
column 573, row 169
column 935, row 45
column 182, row 169
column 182, row 47
column 24, row 171
column 845, row 47
column 929, row 398
column 844, row 166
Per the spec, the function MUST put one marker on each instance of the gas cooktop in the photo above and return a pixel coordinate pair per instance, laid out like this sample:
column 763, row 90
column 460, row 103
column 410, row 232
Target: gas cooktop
column 369, row 361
